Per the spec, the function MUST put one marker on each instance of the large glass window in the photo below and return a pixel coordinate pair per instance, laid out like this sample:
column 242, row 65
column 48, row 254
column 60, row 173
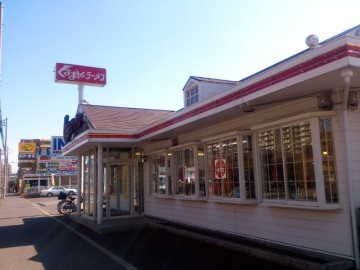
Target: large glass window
column 179, row 172
column 157, row 167
column 328, row 160
column 223, row 166
column 272, row 166
column 184, row 163
column 288, row 164
column 206, row 170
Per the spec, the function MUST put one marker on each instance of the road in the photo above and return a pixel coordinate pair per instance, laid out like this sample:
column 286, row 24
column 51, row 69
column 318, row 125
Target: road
column 34, row 236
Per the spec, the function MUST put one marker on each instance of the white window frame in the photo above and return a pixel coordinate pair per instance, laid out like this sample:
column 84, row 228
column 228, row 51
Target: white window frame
column 168, row 192
column 320, row 202
column 191, row 99
column 242, row 185
column 171, row 171
column 174, row 175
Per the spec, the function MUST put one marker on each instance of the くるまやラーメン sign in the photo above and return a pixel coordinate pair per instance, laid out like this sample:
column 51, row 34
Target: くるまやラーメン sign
column 75, row 74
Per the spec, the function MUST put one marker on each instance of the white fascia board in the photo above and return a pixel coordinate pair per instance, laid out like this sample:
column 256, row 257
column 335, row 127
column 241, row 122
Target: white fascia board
column 304, row 57
column 290, row 63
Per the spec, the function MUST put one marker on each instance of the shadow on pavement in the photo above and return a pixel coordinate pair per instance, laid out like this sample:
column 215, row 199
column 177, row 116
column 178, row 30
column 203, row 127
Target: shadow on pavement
column 57, row 247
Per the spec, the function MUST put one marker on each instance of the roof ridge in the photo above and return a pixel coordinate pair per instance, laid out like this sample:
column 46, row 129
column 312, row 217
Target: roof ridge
column 120, row 107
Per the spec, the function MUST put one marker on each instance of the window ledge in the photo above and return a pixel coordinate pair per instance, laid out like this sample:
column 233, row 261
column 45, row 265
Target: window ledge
column 178, row 197
column 189, row 198
column 302, row 206
column 163, row 196
column 232, row 201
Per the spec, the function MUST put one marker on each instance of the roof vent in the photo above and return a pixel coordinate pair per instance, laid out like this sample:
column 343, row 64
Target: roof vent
column 312, row 41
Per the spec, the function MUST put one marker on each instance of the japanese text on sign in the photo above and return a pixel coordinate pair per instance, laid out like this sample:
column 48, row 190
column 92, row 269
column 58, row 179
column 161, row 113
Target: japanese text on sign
column 80, row 74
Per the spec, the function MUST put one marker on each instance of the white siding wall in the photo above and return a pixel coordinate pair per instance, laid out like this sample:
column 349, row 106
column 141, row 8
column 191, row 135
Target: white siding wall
column 354, row 154
column 320, row 230
column 208, row 89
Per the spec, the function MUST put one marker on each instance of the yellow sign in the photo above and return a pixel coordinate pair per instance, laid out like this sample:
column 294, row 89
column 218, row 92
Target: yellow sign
column 27, row 148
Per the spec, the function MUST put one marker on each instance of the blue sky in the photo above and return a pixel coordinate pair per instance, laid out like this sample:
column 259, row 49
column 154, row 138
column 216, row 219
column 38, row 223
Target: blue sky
column 149, row 49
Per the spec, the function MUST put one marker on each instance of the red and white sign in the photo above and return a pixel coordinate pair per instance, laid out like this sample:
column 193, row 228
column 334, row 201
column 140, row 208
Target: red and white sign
column 68, row 165
column 220, row 168
column 74, row 74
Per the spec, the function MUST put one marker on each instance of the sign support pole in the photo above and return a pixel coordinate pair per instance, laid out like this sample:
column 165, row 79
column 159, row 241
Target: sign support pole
column 81, row 93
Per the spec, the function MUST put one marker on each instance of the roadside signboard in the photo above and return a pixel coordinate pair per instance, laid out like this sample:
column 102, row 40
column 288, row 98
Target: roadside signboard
column 64, row 164
column 27, row 148
column 84, row 75
column 57, row 144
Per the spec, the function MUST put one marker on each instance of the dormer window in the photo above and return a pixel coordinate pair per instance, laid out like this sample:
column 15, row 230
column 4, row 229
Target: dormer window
column 198, row 89
column 192, row 96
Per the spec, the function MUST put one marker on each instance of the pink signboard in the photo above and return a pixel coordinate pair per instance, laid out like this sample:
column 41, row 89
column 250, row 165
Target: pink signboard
column 74, row 74
column 68, row 165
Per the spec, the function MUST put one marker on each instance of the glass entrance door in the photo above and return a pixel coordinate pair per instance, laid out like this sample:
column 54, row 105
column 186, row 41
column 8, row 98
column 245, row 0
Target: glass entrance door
column 119, row 202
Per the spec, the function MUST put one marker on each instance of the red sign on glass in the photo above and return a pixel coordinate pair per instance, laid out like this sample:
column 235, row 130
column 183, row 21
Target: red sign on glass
column 74, row 74
column 220, row 168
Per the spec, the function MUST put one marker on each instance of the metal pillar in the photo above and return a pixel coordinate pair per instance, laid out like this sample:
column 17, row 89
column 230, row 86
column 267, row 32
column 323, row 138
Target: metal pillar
column 81, row 93
column 100, row 184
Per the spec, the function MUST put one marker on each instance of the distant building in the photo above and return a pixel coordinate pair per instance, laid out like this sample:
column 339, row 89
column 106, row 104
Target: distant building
column 41, row 164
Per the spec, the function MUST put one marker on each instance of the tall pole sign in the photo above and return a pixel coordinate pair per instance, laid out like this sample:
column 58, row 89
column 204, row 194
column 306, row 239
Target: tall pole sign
column 80, row 75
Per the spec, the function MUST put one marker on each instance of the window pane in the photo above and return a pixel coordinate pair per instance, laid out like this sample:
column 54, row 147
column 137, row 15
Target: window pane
column 223, row 168
column 328, row 160
column 189, row 170
column 299, row 161
column 192, row 96
column 178, row 165
column 231, row 176
column 157, row 166
column 168, row 171
column 161, row 174
column 201, row 164
column 272, row 164
column 248, row 167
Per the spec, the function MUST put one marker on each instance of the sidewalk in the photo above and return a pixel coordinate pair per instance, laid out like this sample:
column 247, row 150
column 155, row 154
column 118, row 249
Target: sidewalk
column 34, row 236
column 16, row 253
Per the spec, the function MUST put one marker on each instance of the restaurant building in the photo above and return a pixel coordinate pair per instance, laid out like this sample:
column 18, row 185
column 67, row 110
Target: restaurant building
column 273, row 157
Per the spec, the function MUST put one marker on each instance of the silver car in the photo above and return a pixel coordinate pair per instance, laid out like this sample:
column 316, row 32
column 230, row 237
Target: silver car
column 55, row 191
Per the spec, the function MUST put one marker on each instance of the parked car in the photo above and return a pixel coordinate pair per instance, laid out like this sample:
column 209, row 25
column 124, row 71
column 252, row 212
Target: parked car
column 55, row 191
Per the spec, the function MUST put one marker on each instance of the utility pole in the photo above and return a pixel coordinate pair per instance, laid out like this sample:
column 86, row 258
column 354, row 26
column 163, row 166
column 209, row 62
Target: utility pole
column 4, row 168
column 2, row 179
